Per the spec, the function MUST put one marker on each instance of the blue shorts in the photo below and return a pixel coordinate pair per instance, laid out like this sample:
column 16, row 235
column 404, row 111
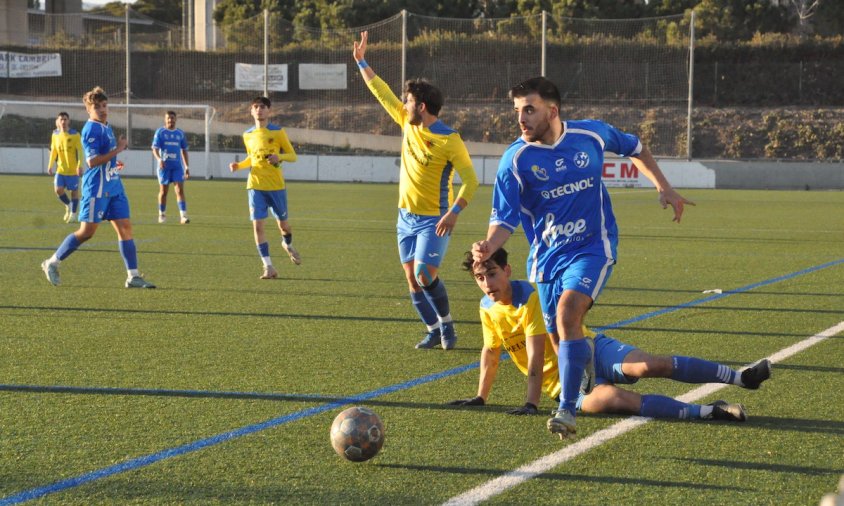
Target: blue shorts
column 609, row 355
column 418, row 239
column 69, row 182
column 169, row 175
column 586, row 274
column 263, row 201
column 95, row 210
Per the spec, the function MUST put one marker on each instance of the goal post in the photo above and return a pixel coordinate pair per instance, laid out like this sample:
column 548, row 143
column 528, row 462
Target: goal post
column 26, row 126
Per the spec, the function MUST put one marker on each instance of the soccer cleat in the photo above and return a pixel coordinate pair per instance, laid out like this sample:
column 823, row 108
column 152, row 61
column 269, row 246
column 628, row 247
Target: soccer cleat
column 72, row 218
column 51, row 270
column 138, row 282
column 67, row 214
column 432, row 340
column 185, row 220
column 269, row 273
column 562, row 424
column 292, row 253
column 162, row 218
column 754, row 375
column 449, row 336
column 723, row 410
column 588, row 381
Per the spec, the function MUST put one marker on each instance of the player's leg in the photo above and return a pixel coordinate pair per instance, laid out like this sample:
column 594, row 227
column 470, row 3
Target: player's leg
column 163, row 190
column 640, row 364
column 430, row 250
column 258, row 212
column 87, row 228
column 278, row 206
column 59, row 188
column 118, row 214
column 74, row 203
column 406, row 239
column 179, row 187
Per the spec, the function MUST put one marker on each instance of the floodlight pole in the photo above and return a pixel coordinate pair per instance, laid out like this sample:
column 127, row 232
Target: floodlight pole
column 403, row 46
column 544, row 41
column 691, row 86
column 266, row 53
column 128, row 82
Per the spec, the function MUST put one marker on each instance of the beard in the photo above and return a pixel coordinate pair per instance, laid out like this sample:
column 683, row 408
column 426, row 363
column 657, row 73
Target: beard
column 415, row 118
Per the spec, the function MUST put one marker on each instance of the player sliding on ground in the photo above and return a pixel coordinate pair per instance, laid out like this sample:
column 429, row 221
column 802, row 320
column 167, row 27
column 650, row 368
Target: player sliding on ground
column 511, row 318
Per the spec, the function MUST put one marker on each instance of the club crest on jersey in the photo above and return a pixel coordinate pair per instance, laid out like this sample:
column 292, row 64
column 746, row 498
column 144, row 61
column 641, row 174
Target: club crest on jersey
column 540, row 173
column 581, row 159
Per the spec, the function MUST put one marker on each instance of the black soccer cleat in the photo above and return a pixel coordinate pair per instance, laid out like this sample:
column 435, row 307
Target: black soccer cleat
column 754, row 375
column 722, row 410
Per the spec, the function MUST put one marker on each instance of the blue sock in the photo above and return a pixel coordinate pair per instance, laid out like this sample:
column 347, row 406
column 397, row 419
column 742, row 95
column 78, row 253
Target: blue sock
column 437, row 297
column 660, row 406
column 696, row 370
column 183, row 206
column 424, row 308
column 572, row 357
column 68, row 246
column 64, row 198
column 129, row 253
column 74, row 205
column 264, row 249
column 161, row 208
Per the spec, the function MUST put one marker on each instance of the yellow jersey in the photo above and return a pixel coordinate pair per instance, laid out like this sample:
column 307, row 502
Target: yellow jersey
column 429, row 157
column 66, row 149
column 508, row 325
column 260, row 143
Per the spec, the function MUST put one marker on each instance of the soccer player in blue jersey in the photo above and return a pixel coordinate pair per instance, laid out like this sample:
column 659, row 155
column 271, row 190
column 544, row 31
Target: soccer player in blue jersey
column 549, row 180
column 170, row 149
column 428, row 209
column 66, row 153
column 512, row 319
column 103, row 197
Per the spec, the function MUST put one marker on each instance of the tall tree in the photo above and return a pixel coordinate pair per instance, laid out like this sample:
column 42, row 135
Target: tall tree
column 740, row 19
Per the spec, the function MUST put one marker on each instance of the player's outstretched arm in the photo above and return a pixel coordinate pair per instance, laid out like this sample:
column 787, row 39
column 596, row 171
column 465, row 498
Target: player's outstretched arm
column 646, row 163
column 495, row 238
column 358, row 53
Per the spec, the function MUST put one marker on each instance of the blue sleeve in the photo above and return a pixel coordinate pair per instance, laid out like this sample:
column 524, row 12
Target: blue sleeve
column 620, row 143
column 93, row 141
column 156, row 139
column 506, row 194
column 184, row 143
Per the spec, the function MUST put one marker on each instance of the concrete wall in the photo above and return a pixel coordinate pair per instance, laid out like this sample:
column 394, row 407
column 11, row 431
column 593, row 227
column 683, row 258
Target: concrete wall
column 618, row 172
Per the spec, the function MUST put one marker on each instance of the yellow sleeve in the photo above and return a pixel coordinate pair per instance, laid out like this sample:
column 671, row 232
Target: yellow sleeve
column 388, row 99
column 463, row 165
column 78, row 141
column 491, row 339
column 54, row 152
column 287, row 154
column 534, row 324
column 246, row 162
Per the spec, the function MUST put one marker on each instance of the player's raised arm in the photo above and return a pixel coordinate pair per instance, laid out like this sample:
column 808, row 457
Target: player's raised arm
column 358, row 53
column 646, row 164
column 495, row 238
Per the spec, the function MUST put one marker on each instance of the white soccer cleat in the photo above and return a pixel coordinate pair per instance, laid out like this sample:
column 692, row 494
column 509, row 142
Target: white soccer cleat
column 73, row 218
column 67, row 214
column 292, row 253
column 51, row 270
column 162, row 218
column 562, row 424
column 185, row 220
column 269, row 273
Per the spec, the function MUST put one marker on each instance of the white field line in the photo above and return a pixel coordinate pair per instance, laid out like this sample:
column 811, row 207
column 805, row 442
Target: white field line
column 531, row 470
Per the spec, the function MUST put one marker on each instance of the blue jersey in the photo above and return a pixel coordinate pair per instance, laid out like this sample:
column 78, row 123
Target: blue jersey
column 557, row 194
column 170, row 144
column 100, row 180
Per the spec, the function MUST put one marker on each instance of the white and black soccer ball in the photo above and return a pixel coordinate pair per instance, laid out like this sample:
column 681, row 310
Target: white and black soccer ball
column 357, row 434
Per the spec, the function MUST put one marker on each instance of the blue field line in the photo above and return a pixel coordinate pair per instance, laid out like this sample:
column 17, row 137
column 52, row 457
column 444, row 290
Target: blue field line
column 146, row 460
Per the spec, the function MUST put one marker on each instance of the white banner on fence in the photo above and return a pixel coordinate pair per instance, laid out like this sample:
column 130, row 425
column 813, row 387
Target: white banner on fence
column 250, row 76
column 315, row 76
column 30, row 65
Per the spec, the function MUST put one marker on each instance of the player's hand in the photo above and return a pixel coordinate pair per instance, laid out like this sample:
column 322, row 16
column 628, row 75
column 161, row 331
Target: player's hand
column 527, row 409
column 675, row 200
column 232, row 166
column 272, row 158
column 474, row 401
column 119, row 165
column 481, row 251
column 187, row 173
column 446, row 224
column 122, row 143
column 359, row 49
column 50, row 171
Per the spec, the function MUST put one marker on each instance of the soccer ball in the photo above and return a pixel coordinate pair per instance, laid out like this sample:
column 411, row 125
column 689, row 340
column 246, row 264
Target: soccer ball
column 357, row 434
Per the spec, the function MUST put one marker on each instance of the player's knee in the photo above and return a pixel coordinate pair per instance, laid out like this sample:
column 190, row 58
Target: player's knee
column 423, row 275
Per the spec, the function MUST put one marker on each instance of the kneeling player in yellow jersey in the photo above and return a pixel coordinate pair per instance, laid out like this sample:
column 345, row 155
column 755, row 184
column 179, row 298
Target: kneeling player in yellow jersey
column 431, row 152
column 267, row 146
column 512, row 318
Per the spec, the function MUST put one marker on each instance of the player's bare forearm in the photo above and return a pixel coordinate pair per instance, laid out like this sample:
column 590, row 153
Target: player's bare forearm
column 646, row 164
column 358, row 53
column 536, row 361
column 489, row 369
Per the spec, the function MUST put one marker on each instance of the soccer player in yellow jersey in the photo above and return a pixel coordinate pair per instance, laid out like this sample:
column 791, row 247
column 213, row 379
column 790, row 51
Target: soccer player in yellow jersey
column 66, row 153
column 511, row 316
column 431, row 153
column 266, row 147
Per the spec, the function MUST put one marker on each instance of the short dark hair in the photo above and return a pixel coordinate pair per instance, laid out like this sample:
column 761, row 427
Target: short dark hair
column 170, row 113
column 261, row 100
column 426, row 93
column 62, row 115
column 498, row 258
column 546, row 90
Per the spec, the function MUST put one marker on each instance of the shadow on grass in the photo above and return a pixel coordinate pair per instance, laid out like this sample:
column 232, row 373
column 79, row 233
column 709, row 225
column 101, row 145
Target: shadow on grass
column 761, row 466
